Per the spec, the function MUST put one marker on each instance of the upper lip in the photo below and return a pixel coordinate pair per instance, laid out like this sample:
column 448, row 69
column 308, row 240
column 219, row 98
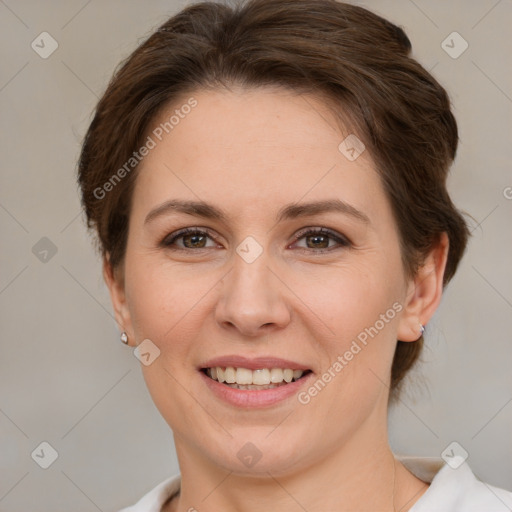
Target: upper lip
column 256, row 363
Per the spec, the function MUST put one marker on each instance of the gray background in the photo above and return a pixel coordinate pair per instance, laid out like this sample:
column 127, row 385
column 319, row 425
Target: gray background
column 64, row 376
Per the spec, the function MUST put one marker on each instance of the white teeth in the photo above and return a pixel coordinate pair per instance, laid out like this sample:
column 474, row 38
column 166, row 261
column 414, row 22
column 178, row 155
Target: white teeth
column 276, row 375
column 261, row 377
column 244, row 378
column 230, row 375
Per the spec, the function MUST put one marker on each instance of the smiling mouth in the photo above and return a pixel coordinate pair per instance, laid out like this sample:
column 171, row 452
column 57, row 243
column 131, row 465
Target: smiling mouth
column 244, row 378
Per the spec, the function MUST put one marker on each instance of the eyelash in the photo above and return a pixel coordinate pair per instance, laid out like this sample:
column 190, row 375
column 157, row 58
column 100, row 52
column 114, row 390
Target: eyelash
column 169, row 240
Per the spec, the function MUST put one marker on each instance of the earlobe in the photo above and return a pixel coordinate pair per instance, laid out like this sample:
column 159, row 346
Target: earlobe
column 115, row 285
column 424, row 292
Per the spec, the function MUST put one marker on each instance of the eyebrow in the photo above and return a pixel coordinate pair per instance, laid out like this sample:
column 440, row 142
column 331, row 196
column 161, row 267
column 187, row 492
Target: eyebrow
column 291, row 211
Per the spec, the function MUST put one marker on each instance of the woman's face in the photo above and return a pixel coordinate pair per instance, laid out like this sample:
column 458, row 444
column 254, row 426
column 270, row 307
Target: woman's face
column 255, row 286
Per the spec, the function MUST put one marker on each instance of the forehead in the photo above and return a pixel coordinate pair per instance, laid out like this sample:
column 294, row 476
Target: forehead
column 257, row 121
column 249, row 148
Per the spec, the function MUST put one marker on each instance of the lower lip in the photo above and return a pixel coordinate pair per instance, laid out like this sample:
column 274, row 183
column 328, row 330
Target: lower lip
column 252, row 398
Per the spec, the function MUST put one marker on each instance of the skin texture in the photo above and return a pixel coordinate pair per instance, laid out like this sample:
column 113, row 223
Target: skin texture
column 249, row 153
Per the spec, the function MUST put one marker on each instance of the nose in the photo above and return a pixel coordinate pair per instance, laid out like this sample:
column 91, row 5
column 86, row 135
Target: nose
column 251, row 299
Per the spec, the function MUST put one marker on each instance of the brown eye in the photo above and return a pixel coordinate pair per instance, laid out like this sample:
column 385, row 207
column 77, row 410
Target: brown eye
column 317, row 241
column 322, row 240
column 188, row 239
column 194, row 241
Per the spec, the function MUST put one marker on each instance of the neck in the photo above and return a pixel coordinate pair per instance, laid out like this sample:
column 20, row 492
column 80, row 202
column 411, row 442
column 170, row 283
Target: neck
column 362, row 475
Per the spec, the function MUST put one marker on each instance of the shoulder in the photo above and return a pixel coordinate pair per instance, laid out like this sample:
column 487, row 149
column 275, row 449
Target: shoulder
column 156, row 497
column 455, row 489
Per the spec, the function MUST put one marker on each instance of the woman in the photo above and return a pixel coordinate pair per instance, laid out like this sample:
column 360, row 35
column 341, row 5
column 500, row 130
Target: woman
column 267, row 183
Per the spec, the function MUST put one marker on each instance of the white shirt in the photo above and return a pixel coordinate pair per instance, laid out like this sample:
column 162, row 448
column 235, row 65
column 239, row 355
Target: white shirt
column 451, row 490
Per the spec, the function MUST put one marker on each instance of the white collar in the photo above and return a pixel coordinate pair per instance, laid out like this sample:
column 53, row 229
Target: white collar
column 450, row 490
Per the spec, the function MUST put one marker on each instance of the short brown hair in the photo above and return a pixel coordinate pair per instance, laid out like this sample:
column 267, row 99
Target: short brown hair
column 358, row 62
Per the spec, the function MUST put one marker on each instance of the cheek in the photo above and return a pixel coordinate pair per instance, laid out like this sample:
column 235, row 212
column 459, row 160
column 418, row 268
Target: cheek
column 359, row 309
column 156, row 299
column 348, row 298
column 163, row 306
column 168, row 304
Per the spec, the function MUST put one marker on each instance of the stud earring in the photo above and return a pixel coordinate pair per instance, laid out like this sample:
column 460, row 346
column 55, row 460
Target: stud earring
column 124, row 338
column 422, row 329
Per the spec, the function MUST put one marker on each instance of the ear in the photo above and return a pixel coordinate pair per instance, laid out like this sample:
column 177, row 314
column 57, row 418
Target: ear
column 424, row 292
column 115, row 284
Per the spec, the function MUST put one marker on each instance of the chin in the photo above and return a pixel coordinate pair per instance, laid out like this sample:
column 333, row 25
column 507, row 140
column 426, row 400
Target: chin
column 257, row 452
